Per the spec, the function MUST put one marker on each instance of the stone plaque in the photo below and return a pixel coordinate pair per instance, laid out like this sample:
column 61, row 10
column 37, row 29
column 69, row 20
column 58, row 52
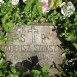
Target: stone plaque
column 34, row 40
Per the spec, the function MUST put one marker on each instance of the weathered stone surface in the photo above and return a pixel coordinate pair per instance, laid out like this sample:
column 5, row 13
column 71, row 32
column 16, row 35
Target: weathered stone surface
column 34, row 40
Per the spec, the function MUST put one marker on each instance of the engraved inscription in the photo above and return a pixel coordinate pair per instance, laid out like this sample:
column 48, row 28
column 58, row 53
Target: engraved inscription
column 27, row 48
column 36, row 40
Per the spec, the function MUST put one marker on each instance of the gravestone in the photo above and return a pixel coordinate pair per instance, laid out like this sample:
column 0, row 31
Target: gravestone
column 34, row 40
